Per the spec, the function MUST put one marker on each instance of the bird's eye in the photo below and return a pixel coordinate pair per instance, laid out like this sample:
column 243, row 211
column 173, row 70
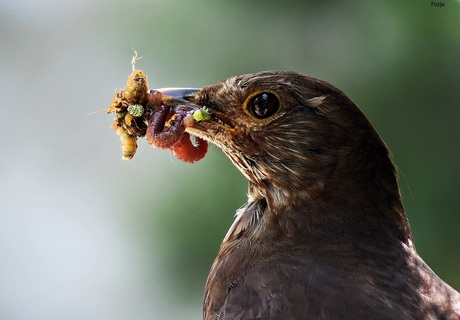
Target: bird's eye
column 263, row 105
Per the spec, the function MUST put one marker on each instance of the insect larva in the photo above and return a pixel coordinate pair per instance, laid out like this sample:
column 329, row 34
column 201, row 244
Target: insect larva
column 136, row 110
column 202, row 114
column 128, row 144
column 190, row 152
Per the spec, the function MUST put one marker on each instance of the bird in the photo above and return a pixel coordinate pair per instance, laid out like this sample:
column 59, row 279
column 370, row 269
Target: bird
column 323, row 234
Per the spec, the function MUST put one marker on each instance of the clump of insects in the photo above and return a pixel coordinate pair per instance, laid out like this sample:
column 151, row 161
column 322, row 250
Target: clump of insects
column 142, row 112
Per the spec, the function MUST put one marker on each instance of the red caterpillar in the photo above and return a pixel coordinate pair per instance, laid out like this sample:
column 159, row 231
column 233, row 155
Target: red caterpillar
column 166, row 130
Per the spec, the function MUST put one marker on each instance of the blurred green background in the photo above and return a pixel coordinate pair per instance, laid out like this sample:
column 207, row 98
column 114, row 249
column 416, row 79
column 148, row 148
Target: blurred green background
column 84, row 235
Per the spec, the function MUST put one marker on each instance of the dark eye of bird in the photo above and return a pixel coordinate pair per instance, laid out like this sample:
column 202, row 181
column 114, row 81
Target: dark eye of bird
column 263, row 105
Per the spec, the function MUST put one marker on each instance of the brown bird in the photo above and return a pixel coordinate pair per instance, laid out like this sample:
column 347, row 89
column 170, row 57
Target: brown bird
column 323, row 234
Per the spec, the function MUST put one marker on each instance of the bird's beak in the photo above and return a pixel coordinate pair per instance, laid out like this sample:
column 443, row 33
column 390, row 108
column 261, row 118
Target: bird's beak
column 185, row 97
column 179, row 96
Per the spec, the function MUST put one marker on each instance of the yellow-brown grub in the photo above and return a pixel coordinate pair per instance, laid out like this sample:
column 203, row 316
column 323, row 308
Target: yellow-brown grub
column 128, row 144
column 130, row 127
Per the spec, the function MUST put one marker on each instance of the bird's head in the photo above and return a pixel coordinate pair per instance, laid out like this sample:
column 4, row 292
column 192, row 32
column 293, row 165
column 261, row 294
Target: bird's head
column 301, row 143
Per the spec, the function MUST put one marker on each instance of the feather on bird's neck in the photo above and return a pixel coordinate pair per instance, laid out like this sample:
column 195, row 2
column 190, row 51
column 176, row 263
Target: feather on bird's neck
column 277, row 215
